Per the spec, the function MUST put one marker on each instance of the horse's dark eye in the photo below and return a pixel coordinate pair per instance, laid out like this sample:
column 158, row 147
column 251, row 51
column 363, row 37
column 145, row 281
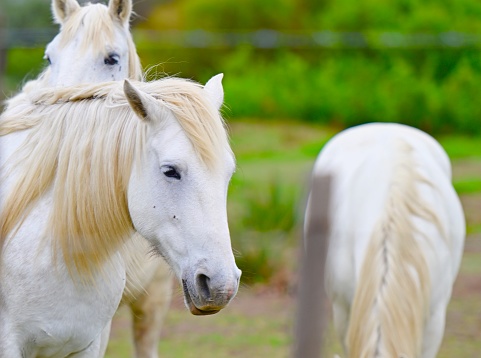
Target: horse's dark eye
column 111, row 59
column 171, row 172
column 47, row 58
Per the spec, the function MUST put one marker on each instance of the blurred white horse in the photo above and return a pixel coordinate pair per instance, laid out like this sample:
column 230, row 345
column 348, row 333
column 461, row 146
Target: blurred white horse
column 396, row 239
column 95, row 45
column 81, row 168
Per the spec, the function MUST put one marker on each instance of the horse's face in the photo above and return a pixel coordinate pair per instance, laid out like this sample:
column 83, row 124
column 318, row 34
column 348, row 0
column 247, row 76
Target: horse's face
column 179, row 205
column 93, row 43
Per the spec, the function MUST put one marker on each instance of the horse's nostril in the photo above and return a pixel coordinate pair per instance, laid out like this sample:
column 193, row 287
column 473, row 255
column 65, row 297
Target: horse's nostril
column 203, row 286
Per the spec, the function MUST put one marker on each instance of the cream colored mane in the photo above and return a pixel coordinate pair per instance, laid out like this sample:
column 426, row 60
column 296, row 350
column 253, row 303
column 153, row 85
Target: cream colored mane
column 392, row 297
column 81, row 144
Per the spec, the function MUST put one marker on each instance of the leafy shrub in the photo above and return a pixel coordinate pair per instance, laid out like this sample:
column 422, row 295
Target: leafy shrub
column 349, row 88
column 263, row 229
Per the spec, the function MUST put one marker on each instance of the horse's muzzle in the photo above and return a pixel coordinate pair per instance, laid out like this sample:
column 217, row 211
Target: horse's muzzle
column 206, row 296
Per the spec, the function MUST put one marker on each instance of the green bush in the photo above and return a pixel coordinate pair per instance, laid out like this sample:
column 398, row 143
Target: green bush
column 430, row 88
column 22, row 64
column 412, row 16
column 350, row 88
column 230, row 14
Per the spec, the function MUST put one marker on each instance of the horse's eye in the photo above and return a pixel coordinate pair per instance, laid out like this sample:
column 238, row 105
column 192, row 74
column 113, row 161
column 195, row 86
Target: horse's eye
column 111, row 59
column 46, row 57
column 171, row 172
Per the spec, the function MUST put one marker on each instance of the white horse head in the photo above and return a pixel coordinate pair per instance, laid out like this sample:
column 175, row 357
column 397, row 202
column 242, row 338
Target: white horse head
column 94, row 44
column 178, row 201
column 166, row 173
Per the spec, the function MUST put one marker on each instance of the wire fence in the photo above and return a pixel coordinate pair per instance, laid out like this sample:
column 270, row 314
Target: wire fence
column 267, row 39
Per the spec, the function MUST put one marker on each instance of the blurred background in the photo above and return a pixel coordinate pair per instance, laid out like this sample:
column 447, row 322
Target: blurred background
column 296, row 73
column 338, row 62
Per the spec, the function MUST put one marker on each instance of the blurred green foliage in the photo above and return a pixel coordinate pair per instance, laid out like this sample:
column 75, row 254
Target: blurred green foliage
column 434, row 88
column 22, row 64
column 265, row 224
column 26, row 13
column 338, row 15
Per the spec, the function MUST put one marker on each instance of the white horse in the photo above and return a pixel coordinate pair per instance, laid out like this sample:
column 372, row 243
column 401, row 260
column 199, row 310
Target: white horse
column 94, row 45
column 80, row 171
column 396, row 239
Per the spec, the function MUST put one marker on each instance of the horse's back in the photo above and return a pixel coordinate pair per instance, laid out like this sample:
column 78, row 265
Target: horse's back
column 371, row 141
column 361, row 161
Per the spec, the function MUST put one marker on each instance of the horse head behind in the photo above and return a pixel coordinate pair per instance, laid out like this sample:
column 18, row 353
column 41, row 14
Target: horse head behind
column 94, row 44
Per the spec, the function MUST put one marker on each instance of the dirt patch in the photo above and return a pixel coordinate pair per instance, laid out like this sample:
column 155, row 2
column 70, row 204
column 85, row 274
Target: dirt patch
column 466, row 168
column 467, row 286
column 472, row 208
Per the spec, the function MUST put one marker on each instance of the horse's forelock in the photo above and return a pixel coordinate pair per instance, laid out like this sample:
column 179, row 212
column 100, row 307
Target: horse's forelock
column 95, row 21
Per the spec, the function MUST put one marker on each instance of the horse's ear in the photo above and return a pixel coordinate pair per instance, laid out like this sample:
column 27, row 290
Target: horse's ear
column 62, row 9
column 142, row 103
column 121, row 10
column 136, row 99
column 215, row 90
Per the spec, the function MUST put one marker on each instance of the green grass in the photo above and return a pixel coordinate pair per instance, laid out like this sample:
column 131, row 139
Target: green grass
column 468, row 185
column 473, row 229
column 461, row 147
column 471, row 263
column 233, row 334
column 278, row 141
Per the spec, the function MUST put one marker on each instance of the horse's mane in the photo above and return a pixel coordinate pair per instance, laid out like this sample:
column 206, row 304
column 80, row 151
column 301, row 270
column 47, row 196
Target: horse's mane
column 392, row 294
column 81, row 144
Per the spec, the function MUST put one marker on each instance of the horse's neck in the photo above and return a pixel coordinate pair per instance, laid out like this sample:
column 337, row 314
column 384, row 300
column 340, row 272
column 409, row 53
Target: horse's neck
column 9, row 144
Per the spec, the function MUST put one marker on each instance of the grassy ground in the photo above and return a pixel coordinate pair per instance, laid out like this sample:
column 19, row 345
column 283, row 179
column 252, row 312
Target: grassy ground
column 259, row 322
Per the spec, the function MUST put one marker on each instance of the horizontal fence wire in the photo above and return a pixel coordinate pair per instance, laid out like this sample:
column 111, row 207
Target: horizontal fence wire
column 265, row 39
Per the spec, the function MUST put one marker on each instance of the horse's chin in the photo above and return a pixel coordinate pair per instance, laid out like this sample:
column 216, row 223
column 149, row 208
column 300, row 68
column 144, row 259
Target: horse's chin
column 193, row 308
column 198, row 312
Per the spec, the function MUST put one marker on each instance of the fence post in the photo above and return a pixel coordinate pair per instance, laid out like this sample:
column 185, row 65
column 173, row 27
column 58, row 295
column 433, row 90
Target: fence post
column 311, row 317
column 3, row 52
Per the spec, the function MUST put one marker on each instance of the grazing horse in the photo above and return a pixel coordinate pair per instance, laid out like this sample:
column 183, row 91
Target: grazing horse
column 84, row 167
column 396, row 239
column 94, row 45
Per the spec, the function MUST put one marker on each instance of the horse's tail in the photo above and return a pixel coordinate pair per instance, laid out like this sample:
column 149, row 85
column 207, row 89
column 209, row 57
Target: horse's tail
column 391, row 301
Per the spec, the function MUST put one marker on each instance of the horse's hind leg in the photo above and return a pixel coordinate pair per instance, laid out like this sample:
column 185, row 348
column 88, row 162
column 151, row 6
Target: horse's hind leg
column 434, row 331
column 340, row 315
column 149, row 310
